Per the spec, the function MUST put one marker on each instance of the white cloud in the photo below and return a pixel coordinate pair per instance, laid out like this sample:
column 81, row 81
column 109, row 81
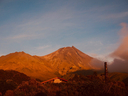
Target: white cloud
column 104, row 57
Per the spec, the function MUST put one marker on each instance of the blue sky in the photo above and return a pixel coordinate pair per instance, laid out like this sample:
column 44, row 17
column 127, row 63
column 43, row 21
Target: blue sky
column 39, row 27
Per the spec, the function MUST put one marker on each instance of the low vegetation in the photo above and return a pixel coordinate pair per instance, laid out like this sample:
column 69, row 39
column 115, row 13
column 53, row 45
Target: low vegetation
column 77, row 85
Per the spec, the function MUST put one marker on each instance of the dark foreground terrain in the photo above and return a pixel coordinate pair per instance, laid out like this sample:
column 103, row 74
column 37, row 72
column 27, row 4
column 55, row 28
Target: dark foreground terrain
column 77, row 85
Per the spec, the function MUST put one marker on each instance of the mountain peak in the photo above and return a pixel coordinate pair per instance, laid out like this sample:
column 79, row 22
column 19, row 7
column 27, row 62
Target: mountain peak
column 20, row 52
column 17, row 53
column 73, row 47
column 68, row 59
column 16, row 57
column 67, row 48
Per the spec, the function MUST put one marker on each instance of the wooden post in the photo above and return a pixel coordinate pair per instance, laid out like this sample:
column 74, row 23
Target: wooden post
column 105, row 71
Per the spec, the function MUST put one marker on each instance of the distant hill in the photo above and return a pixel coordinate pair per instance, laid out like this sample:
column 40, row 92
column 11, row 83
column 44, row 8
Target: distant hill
column 60, row 62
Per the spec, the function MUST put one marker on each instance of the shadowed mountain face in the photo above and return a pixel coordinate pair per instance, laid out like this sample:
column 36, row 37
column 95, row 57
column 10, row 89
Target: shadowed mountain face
column 62, row 61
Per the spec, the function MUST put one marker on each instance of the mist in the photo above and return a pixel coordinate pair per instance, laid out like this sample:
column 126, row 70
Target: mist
column 120, row 55
column 97, row 64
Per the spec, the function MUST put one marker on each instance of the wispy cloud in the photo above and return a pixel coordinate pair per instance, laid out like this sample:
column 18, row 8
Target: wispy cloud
column 53, row 22
column 43, row 47
column 115, row 15
column 105, row 13
column 21, row 36
column 40, row 26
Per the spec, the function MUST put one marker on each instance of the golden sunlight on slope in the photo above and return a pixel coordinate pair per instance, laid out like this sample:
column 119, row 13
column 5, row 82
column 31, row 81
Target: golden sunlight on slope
column 30, row 65
column 68, row 59
column 60, row 62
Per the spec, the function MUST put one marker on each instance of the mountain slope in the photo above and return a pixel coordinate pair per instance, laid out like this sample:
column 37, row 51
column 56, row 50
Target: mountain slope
column 30, row 65
column 60, row 62
column 68, row 59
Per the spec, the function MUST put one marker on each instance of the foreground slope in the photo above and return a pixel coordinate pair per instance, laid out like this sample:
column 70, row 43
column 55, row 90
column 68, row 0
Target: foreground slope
column 116, row 76
column 10, row 75
column 9, row 80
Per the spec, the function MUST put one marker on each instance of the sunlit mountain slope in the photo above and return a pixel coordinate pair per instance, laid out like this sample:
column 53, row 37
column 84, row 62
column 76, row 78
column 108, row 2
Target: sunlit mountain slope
column 30, row 65
column 68, row 59
column 60, row 62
